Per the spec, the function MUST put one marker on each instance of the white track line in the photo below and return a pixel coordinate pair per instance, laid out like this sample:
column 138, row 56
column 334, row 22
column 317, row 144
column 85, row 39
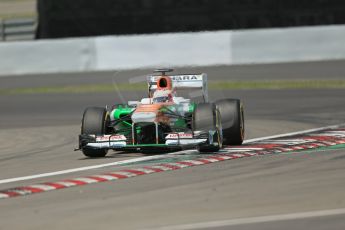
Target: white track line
column 255, row 220
column 140, row 159
column 117, row 163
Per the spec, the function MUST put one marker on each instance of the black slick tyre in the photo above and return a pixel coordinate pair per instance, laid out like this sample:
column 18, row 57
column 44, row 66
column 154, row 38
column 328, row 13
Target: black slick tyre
column 94, row 121
column 231, row 111
column 206, row 117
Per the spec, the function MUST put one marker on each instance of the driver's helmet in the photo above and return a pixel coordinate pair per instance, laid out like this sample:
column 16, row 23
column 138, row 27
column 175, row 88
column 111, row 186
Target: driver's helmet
column 162, row 96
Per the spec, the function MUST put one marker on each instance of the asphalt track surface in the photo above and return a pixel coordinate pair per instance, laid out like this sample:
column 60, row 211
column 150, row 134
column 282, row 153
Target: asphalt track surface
column 38, row 134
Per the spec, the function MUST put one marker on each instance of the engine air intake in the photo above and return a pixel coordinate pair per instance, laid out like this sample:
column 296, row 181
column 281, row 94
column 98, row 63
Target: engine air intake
column 164, row 82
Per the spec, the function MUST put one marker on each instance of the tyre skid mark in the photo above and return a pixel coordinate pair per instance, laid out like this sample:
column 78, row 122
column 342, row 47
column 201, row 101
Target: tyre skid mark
column 313, row 140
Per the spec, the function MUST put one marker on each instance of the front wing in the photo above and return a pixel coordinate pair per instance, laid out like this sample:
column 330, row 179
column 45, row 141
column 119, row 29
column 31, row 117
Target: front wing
column 173, row 141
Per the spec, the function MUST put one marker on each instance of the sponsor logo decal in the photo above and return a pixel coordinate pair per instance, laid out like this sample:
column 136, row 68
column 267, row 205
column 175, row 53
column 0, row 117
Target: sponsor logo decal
column 110, row 138
column 179, row 135
column 180, row 78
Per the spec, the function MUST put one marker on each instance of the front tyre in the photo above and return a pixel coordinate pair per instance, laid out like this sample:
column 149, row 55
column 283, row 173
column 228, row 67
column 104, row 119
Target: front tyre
column 231, row 111
column 206, row 118
column 95, row 121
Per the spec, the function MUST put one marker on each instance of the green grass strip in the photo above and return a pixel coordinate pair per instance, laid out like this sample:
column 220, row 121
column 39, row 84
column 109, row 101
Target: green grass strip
column 97, row 88
column 213, row 85
column 293, row 84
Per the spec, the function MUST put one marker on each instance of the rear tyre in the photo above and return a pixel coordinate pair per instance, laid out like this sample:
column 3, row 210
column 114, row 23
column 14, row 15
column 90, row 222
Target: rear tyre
column 95, row 121
column 206, row 117
column 232, row 114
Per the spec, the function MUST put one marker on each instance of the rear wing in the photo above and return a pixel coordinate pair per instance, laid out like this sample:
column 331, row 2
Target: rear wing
column 182, row 81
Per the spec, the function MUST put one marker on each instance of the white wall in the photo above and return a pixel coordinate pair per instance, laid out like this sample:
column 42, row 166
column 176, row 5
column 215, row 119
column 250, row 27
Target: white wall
column 173, row 50
column 53, row 56
column 286, row 45
column 207, row 48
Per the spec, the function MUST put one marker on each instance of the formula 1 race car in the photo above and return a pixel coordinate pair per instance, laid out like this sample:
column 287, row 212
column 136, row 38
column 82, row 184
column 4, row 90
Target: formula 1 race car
column 164, row 121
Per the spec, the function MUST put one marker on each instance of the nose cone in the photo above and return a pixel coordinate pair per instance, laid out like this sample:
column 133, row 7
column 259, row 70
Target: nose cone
column 146, row 113
column 138, row 117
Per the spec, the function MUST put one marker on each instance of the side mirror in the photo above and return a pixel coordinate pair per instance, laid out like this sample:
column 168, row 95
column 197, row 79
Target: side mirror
column 133, row 103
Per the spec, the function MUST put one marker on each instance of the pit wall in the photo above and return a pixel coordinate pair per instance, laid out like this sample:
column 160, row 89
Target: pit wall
column 173, row 50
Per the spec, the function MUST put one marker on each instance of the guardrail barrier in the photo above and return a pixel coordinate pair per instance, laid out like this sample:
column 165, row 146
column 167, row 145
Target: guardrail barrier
column 173, row 50
column 17, row 29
